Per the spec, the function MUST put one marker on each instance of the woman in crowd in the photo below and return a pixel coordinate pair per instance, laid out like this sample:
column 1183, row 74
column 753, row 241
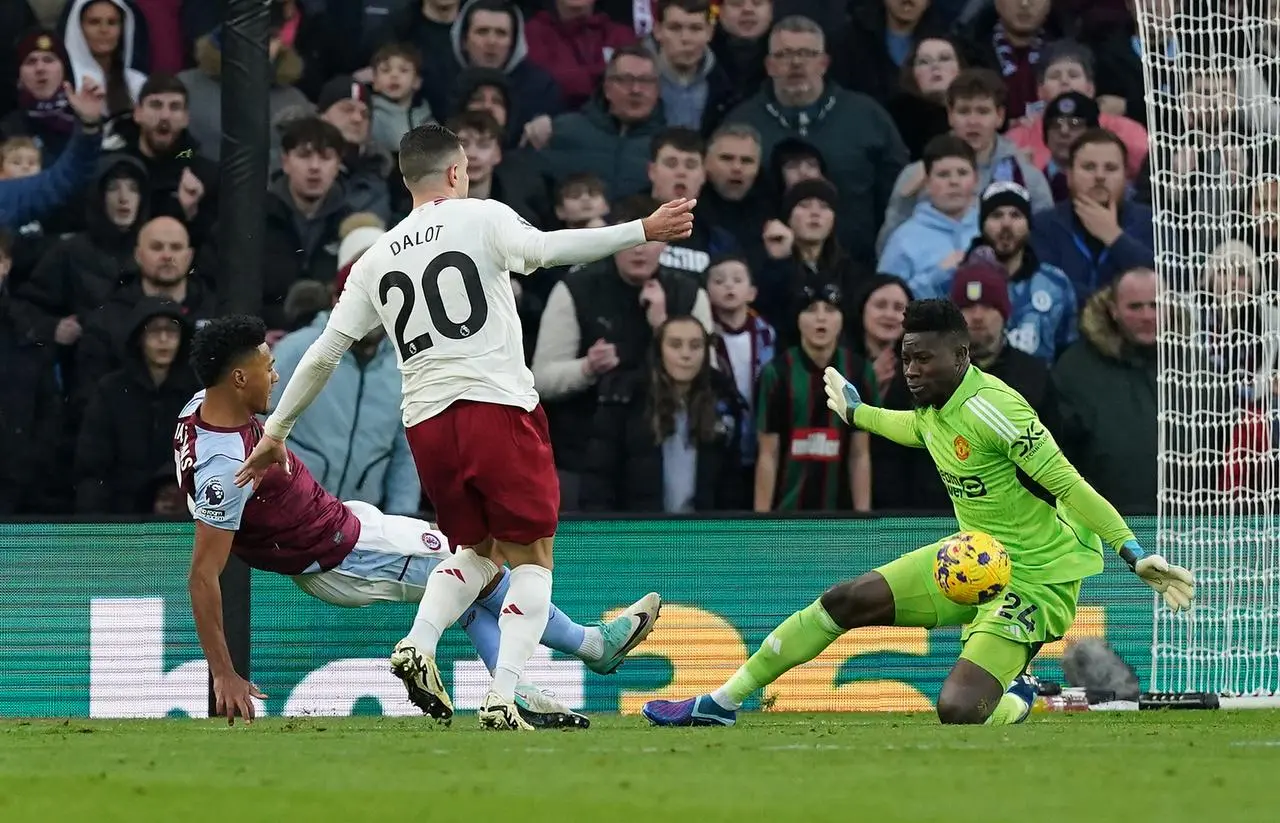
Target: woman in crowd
column 668, row 440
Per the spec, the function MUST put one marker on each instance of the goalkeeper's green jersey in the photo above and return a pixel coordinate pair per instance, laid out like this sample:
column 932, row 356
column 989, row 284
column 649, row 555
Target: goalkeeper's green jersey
column 1007, row 477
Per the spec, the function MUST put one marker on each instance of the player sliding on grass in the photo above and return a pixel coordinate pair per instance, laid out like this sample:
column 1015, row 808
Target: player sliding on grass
column 1004, row 473
column 347, row 554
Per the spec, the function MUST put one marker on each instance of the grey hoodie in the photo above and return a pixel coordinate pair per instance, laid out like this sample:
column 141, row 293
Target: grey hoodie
column 901, row 205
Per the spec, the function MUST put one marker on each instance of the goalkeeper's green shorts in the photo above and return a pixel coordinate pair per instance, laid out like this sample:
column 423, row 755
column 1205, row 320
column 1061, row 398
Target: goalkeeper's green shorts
column 1001, row 636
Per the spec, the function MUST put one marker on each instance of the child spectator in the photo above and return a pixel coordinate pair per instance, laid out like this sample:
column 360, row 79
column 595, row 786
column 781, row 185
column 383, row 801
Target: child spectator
column 925, row 250
column 19, row 157
column 807, row 460
column 396, row 81
column 580, row 201
column 744, row 341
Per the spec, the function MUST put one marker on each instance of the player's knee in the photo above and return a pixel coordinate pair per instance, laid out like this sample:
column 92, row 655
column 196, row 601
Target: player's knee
column 863, row 601
column 958, row 705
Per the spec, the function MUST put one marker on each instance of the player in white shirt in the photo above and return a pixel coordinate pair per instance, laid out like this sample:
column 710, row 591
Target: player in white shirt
column 439, row 283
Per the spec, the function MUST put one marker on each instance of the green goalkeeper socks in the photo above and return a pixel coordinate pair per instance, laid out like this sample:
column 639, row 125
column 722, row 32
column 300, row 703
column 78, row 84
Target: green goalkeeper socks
column 799, row 639
column 1010, row 709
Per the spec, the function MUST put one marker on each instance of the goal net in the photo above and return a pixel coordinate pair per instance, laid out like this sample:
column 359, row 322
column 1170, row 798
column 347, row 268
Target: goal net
column 1212, row 71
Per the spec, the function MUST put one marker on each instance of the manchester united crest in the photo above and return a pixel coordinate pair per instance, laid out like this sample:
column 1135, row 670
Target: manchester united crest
column 962, row 448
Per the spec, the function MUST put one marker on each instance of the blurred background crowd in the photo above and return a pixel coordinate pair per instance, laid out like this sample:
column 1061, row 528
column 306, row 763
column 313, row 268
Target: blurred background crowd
column 847, row 157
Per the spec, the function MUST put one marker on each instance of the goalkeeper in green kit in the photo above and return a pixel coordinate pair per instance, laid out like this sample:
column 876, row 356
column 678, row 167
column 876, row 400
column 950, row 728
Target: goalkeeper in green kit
column 1006, row 477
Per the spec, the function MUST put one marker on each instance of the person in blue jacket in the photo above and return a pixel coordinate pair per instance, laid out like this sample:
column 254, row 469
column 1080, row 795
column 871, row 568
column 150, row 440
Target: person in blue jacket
column 352, row 438
column 29, row 198
column 925, row 250
column 1098, row 233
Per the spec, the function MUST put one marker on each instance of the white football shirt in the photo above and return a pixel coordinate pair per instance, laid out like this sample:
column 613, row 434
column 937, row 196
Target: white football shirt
column 439, row 283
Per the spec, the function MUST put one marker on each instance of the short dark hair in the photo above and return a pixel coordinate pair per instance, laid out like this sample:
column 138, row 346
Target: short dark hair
column 497, row 6
column 1099, row 137
column 635, row 207
column 702, row 7
column 311, row 133
column 426, row 150
column 405, row 51
column 481, row 122
column 678, row 138
column 944, row 146
column 728, row 257
column 161, row 83
column 972, row 84
column 934, row 315
column 1065, row 51
column 578, row 183
column 633, row 50
column 222, row 343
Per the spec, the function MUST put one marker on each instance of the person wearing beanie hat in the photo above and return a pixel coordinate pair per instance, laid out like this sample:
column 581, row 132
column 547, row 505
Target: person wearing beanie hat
column 1041, row 320
column 1068, row 116
column 1068, row 66
column 356, row 233
column 807, row 461
column 925, row 250
column 42, row 111
column 344, row 103
column 981, row 290
column 800, row 245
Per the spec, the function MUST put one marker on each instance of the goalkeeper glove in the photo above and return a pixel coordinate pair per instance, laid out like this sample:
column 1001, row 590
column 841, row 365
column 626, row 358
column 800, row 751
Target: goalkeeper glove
column 1176, row 584
column 842, row 397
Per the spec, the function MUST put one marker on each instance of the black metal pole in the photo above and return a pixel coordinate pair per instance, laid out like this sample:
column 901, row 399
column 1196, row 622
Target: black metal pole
column 246, row 81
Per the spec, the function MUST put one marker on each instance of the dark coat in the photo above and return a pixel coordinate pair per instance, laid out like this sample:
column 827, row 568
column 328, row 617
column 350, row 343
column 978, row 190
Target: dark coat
column 127, row 434
column 624, row 470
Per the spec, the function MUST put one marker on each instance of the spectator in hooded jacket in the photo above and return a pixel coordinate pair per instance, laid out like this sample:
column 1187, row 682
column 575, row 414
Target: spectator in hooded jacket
column 490, row 34
column 880, row 38
column 366, row 168
column 1100, row 232
column 352, row 438
column 572, row 42
column 919, row 106
column 103, row 44
column 163, row 259
column 127, row 432
column 734, row 196
column 667, row 438
column 80, row 272
column 925, row 250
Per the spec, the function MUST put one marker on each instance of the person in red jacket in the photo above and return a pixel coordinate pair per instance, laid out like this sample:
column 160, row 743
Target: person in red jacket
column 572, row 42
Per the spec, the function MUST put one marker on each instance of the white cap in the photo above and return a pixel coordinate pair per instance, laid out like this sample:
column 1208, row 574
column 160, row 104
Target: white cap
column 356, row 243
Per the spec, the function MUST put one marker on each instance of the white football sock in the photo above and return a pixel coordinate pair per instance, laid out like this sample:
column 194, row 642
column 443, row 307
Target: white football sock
column 451, row 588
column 522, row 621
column 592, row 647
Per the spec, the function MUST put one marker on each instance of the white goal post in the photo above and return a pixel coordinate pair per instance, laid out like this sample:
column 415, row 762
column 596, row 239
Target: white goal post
column 1212, row 71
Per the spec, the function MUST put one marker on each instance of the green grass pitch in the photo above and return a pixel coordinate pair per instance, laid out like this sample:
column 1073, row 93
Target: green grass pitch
column 1132, row 767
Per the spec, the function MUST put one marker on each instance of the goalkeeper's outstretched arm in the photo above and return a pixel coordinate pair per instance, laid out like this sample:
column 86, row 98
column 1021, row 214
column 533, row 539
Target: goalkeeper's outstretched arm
column 844, row 400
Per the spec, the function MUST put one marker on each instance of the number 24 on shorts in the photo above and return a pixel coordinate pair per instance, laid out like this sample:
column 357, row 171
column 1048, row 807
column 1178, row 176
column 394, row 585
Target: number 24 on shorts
column 1011, row 609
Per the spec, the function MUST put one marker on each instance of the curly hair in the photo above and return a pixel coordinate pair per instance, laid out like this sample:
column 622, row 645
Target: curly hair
column 221, row 343
column 665, row 398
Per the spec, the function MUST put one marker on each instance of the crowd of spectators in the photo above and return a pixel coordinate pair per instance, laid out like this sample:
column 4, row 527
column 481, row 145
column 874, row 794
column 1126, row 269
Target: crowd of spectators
column 847, row 157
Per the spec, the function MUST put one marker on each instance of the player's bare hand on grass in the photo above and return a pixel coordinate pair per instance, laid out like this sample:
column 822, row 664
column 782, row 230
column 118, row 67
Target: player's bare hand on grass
column 269, row 452
column 1176, row 584
column 234, row 696
column 672, row 221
